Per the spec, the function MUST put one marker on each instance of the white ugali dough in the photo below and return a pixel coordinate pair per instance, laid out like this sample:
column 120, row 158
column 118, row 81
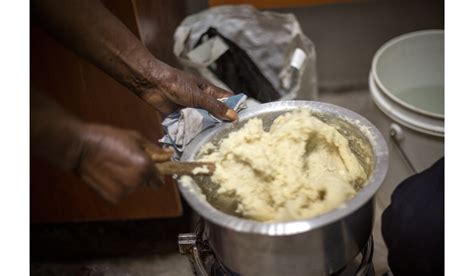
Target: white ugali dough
column 301, row 168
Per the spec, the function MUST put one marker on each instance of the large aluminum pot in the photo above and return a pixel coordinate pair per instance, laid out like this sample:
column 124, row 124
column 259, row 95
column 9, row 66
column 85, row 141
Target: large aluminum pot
column 316, row 246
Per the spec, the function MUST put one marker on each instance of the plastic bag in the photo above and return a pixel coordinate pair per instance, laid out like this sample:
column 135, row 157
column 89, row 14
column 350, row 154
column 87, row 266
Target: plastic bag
column 273, row 41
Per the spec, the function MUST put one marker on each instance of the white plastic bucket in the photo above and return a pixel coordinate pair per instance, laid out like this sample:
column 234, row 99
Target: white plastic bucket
column 407, row 85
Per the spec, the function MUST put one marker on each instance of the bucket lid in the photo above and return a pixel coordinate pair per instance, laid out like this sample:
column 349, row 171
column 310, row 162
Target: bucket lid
column 406, row 116
column 407, row 80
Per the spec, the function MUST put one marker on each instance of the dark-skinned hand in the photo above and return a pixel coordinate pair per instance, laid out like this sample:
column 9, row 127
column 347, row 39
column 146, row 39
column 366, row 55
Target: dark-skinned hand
column 170, row 88
column 116, row 161
column 94, row 33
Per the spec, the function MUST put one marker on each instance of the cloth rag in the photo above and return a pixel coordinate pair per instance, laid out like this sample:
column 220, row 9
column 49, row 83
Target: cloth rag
column 183, row 125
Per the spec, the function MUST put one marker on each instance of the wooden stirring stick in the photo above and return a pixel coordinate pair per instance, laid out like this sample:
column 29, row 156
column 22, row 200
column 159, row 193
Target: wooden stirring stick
column 187, row 168
column 179, row 168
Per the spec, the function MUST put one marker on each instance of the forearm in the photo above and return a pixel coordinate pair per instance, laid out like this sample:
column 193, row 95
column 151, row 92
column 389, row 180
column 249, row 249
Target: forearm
column 93, row 32
column 55, row 134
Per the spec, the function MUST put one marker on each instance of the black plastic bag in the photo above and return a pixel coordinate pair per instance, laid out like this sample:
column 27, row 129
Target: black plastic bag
column 237, row 70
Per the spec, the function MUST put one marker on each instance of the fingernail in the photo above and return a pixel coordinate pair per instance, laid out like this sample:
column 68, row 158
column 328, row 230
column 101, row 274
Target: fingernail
column 231, row 115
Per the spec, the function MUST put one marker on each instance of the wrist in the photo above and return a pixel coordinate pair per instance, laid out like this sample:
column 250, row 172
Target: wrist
column 154, row 80
column 55, row 134
column 76, row 131
column 88, row 138
column 60, row 142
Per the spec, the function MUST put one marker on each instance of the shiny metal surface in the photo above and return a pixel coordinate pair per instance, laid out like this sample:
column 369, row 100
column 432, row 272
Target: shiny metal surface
column 315, row 246
column 188, row 245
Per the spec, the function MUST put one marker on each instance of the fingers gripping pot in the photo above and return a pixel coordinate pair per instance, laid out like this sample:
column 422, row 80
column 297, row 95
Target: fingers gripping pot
column 315, row 246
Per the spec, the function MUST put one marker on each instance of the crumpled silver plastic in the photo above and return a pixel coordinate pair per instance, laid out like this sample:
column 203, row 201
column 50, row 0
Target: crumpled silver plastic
column 269, row 38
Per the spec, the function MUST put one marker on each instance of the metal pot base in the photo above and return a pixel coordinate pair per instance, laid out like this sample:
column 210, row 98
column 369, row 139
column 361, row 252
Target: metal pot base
column 205, row 263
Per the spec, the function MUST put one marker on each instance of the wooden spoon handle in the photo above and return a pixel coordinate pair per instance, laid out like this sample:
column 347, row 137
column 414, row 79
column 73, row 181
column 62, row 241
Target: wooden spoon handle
column 189, row 168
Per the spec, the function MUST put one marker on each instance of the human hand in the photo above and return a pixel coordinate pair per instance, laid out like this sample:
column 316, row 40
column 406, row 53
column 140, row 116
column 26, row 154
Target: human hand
column 116, row 161
column 93, row 32
column 172, row 87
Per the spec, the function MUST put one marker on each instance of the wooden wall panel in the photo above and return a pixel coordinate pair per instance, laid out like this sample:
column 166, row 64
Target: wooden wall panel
column 88, row 92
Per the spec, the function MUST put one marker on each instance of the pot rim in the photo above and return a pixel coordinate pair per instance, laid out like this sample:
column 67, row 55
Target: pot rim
column 208, row 212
